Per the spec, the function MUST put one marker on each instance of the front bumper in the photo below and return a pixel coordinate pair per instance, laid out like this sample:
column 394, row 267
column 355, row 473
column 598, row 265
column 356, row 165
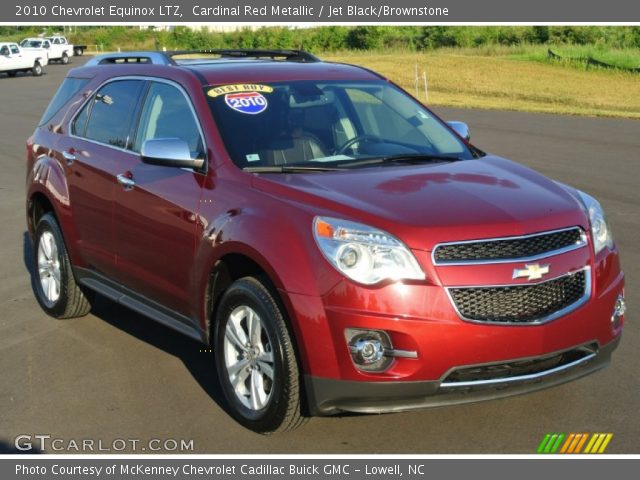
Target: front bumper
column 420, row 318
column 328, row 396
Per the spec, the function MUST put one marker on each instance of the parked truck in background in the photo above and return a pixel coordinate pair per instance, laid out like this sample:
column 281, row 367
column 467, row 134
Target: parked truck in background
column 65, row 44
column 14, row 59
column 60, row 49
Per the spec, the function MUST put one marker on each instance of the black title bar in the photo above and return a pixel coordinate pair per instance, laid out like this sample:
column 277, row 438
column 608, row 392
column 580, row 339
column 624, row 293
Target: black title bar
column 318, row 11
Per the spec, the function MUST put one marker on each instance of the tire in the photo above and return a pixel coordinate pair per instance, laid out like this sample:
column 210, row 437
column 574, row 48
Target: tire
column 78, row 51
column 12, row 73
column 265, row 361
column 37, row 69
column 54, row 284
column 64, row 59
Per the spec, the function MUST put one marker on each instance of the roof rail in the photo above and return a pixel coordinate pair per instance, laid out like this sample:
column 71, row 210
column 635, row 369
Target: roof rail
column 287, row 55
column 168, row 58
column 153, row 58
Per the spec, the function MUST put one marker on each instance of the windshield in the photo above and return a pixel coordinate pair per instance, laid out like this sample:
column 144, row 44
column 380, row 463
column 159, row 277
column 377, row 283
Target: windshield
column 326, row 123
column 31, row 43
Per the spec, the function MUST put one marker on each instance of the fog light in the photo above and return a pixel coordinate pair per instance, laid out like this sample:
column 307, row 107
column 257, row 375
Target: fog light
column 618, row 312
column 372, row 351
column 367, row 349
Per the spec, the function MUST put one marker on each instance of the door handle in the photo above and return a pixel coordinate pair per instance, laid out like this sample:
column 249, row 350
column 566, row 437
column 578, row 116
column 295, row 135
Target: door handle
column 126, row 182
column 69, row 157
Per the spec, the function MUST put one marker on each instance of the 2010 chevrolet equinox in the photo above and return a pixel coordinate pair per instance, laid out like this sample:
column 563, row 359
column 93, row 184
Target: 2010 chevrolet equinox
column 339, row 246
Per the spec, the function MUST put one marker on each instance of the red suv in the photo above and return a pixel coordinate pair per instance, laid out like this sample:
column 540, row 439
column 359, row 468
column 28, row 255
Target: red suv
column 340, row 247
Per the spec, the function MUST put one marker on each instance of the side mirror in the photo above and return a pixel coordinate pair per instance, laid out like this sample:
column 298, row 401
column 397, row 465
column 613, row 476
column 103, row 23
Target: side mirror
column 169, row 152
column 461, row 129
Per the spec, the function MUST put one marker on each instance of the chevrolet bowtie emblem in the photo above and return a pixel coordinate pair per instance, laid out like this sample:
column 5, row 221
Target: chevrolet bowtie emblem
column 531, row 271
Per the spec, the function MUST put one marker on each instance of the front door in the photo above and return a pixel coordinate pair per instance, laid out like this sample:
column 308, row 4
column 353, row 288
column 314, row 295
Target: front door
column 156, row 208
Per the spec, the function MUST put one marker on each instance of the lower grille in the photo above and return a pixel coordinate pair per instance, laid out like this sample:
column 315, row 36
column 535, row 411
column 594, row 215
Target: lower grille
column 519, row 369
column 521, row 303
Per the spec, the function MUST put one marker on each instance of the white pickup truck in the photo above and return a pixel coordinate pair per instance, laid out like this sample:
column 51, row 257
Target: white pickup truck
column 14, row 59
column 57, row 48
column 60, row 49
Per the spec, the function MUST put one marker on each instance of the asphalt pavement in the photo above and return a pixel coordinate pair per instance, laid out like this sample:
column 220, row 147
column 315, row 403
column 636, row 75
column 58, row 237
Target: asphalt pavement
column 116, row 375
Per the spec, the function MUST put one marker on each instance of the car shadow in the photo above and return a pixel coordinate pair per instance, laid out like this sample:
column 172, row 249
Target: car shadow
column 4, row 76
column 200, row 364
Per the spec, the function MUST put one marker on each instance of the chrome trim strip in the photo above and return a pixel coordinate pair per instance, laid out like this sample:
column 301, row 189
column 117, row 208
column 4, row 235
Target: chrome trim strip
column 520, row 378
column 390, row 352
column 569, row 308
column 570, row 248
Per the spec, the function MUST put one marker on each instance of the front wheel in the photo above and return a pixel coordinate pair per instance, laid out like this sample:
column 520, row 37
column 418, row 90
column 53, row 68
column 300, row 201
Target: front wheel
column 256, row 359
column 65, row 59
column 37, row 69
column 55, row 286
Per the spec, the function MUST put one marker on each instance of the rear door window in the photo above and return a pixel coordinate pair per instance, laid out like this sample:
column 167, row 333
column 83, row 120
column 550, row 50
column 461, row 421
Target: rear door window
column 109, row 115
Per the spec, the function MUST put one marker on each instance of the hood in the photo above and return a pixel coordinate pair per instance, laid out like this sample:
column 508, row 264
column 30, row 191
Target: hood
column 427, row 204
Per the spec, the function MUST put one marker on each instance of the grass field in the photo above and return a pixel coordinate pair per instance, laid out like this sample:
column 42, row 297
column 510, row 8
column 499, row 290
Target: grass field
column 513, row 79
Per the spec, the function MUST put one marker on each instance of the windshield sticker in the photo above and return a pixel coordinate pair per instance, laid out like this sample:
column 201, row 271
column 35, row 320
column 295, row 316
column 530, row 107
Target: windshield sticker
column 253, row 157
column 246, row 102
column 245, row 87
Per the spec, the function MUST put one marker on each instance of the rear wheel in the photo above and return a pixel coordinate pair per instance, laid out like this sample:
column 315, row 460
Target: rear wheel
column 256, row 360
column 64, row 59
column 37, row 69
column 55, row 286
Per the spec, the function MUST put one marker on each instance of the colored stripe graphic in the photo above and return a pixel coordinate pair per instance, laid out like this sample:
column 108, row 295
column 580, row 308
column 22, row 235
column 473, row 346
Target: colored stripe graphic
column 574, row 442
column 551, row 442
column 582, row 442
column 598, row 443
column 543, row 443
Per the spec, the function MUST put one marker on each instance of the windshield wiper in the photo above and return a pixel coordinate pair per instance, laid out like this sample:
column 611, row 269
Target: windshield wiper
column 410, row 158
column 290, row 169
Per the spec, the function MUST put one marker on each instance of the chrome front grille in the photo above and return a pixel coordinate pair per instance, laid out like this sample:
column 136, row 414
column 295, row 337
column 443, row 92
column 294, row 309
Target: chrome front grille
column 522, row 304
column 509, row 249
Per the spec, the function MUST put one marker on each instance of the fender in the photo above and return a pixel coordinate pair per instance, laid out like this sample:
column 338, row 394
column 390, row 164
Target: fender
column 46, row 177
column 241, row 231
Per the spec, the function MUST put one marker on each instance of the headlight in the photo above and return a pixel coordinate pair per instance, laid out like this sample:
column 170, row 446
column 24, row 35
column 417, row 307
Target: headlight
column 364, row 254
column 600, row 231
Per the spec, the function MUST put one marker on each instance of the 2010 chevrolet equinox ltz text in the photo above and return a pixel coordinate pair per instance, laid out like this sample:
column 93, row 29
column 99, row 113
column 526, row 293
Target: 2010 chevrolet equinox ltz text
column 340, row 247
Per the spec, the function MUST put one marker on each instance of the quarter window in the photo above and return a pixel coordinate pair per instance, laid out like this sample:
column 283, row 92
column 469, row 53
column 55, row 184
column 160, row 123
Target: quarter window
column 69, row 88
column 167, row 114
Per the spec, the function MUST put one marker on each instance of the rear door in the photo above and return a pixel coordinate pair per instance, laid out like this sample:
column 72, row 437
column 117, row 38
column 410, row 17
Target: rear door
column 155, row 216
column 95, row 152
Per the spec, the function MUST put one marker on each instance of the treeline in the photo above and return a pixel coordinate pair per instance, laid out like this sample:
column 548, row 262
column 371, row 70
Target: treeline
column 336, row 38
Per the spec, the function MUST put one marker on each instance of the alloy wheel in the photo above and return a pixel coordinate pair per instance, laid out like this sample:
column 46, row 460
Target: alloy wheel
column 248, row 356
column 49, row 267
